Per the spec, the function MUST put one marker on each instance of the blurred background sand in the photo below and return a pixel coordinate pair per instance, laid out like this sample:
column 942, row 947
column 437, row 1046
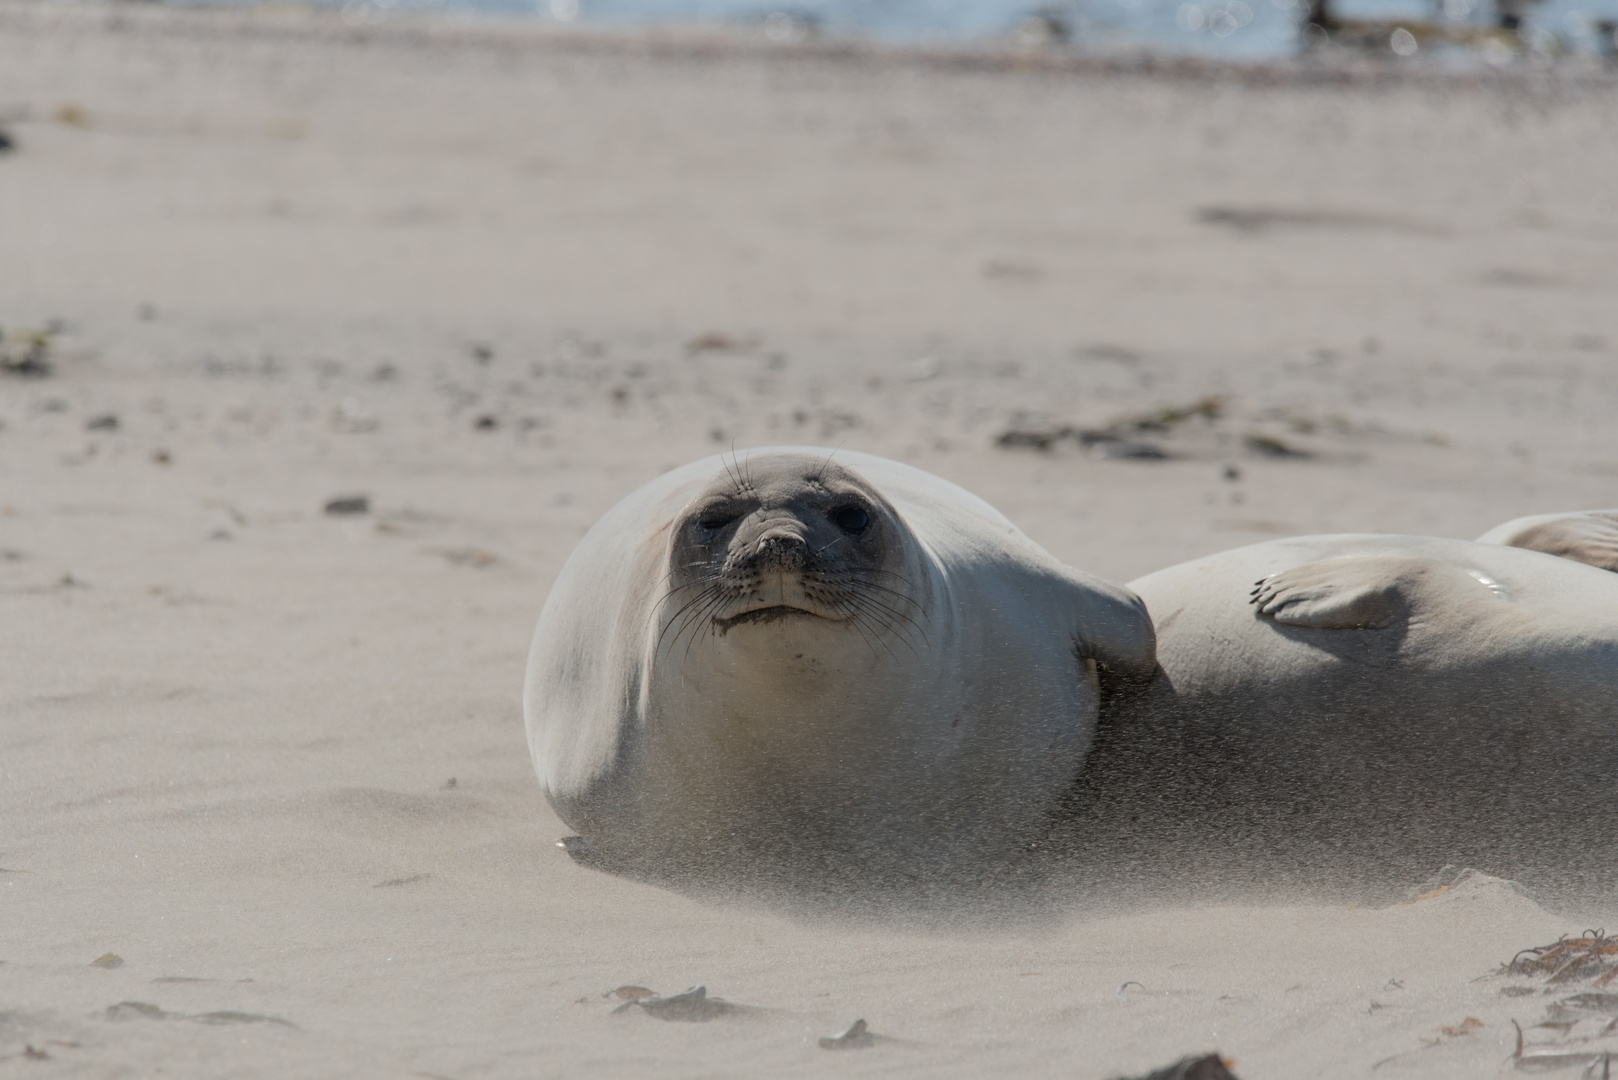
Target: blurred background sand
column 492, row 278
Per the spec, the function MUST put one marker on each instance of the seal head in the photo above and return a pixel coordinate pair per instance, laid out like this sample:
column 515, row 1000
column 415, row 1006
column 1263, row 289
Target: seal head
column 814, row 553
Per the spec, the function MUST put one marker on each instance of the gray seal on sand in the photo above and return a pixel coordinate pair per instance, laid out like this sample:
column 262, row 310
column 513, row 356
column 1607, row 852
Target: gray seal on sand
column 820, row 667
column 1337, row 711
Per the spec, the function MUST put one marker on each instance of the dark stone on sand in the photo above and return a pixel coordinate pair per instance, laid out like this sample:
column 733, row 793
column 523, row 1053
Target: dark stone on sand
column 27, row 355
column 485, row 423
column 104, row 422
column 1207, row 1067
column 1130, row 451
column 345, row 505
column 7, row 143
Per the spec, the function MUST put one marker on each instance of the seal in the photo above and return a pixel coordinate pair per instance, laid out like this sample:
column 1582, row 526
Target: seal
column 1335, row 711
column 1586, row 536
column 817, row 667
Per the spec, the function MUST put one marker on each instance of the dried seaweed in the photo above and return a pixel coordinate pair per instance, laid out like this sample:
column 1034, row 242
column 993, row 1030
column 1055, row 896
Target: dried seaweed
column 1118, row 439
column 1591, row 957
column 693, row 1006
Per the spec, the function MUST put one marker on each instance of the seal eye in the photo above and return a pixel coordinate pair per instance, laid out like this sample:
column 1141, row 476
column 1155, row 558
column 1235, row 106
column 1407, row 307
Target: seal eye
column 851, row 518
column 714, row 520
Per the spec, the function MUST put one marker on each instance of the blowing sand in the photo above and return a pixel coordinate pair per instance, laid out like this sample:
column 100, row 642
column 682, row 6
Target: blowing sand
column 492, row 279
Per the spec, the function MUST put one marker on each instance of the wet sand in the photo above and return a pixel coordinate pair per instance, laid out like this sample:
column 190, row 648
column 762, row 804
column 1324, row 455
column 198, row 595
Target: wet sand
column 492, row 279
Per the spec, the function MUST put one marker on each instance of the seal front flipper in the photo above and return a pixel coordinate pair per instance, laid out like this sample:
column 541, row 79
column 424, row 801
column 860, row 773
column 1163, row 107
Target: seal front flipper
column 1586, row 536
column 1369, row 593
column 1114, row 629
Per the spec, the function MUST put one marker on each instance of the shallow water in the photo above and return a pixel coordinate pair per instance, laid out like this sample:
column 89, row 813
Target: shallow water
column 1232, row 29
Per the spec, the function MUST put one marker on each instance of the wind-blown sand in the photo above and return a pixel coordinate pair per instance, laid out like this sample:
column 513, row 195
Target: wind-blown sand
column 494, row 278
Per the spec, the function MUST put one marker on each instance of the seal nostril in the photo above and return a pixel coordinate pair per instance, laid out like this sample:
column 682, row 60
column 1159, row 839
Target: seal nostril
column 782, row 550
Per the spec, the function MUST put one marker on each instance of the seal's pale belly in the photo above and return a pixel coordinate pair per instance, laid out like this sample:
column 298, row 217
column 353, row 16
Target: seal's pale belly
column 911, row 757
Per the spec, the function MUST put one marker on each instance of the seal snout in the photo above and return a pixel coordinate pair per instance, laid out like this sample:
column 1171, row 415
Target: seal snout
column 781, row 549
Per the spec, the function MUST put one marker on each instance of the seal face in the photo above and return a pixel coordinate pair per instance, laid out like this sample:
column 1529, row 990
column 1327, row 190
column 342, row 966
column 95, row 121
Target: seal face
column 779, row 666
column 774, row 546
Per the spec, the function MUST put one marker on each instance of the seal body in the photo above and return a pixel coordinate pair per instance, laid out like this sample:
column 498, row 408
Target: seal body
column 1586, row 536
column 814, row 666
column 1342, row 710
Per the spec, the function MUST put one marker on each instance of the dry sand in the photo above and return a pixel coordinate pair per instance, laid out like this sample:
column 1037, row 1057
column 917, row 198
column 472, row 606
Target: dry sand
column 494, row 278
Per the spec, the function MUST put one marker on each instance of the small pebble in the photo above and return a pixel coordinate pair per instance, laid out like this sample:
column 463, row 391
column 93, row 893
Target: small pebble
column 348, row 504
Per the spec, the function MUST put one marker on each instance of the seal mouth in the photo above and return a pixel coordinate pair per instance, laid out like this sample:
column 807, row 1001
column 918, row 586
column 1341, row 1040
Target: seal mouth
column 774, row 613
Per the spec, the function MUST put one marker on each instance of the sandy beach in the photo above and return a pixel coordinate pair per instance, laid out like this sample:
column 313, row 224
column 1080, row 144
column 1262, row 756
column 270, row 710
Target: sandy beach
column 482, row 280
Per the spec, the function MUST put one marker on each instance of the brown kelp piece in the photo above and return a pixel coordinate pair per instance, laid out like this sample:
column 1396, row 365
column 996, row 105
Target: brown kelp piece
column 1592, row 956
column 693, row 1006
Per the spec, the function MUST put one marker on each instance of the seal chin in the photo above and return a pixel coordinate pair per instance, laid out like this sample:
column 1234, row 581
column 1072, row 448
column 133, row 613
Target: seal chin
column 773, row 613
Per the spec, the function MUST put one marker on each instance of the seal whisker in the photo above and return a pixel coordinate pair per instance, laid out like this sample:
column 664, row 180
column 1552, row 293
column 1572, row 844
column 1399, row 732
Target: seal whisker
column 731, row 470
column 706, row 630
column 898, row 616
column 859, row 622
column 897, row 613
column 851, row 571
column 894, row 592
column 715, row 600
column 847, row 605
column 691, row 585
column 711, row 591
column 694, row 600
column 906, row 599
column 876, row 570
column 894, row 621
column 831, row 545
column 687, row 585
column 853, row 620
column 711, row 602
column 821, row 471
column 898, row 631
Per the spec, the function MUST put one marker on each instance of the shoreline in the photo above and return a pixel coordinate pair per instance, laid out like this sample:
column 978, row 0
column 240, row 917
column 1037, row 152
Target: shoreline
column 1309, row 68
